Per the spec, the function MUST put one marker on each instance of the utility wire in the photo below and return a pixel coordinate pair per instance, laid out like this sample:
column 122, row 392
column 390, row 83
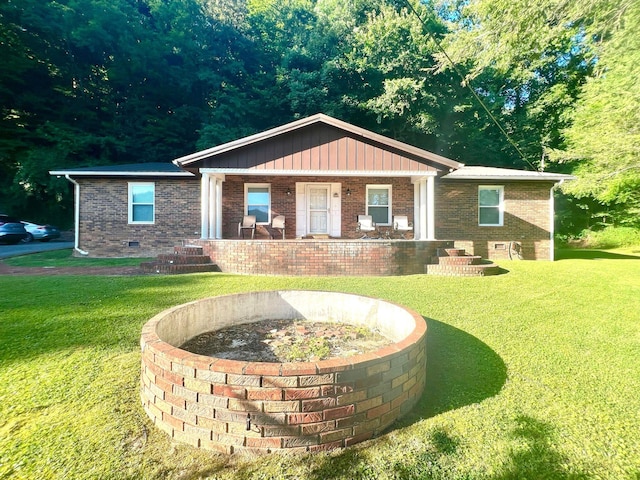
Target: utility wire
column 468, row 85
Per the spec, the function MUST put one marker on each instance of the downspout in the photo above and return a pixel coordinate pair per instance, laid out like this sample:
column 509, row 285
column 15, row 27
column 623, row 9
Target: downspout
column 552, row 223
column 76, row 214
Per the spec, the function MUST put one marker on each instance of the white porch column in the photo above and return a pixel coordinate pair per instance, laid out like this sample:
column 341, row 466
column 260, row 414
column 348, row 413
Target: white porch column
column 431, row 208
column 204, row 205
column 211, row 203
column 423, row 210
column 213, row 181
column 218, row 234
column 416, row 210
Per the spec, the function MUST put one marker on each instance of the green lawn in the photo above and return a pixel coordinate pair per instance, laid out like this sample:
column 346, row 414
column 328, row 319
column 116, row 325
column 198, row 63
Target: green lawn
column 533, row 374
column 64, row 258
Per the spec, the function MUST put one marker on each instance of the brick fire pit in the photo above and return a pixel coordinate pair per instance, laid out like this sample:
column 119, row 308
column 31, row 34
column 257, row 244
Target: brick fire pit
column 230, row 406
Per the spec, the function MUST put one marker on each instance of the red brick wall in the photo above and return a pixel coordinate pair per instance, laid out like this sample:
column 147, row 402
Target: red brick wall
column 104, row 231
column 104, row 228
column 526, row 219
column 321, row 257
column 283, row 204
column 259, row 407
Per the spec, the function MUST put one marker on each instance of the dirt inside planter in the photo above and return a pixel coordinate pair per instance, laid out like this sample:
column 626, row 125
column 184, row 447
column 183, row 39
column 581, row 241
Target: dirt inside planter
column 286, row 341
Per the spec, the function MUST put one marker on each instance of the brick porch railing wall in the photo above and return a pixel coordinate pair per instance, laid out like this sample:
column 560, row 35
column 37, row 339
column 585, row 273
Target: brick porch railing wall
column 321, row 257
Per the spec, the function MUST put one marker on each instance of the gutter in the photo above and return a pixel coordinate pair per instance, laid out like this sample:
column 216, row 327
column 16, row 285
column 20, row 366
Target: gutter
column 76, row 215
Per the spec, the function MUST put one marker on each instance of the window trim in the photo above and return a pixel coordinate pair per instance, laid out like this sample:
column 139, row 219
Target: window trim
column 131, row 204
column 247, row 186
column 500, row 206
column 389, row 187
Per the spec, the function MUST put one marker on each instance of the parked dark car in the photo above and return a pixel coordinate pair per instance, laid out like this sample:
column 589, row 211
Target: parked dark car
column 11, row 230
column 44, row 233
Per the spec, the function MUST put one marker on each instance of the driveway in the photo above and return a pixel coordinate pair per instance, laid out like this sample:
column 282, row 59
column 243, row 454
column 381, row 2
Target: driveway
column 33, row 247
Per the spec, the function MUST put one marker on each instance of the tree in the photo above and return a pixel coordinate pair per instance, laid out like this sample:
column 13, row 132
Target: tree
column 87, row 82
column 603, row 141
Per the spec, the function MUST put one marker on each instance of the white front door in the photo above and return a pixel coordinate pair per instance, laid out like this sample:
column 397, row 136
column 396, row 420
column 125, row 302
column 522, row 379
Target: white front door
column 318, row 209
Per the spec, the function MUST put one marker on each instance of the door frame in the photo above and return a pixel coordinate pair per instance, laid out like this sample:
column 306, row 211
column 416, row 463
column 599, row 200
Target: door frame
column 327, row 187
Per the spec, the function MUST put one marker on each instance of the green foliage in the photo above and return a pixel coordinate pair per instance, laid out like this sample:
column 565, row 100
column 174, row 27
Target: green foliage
column 610, row 237
column 304, row 350
column 603, row 141
column 96, row 82
column 534, row 375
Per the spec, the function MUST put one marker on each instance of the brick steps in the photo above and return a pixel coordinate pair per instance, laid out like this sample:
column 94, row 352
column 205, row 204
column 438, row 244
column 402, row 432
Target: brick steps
column 459, row 260
column 185, row 259
column 455, row 262
column 182, row 259
column 463, row 270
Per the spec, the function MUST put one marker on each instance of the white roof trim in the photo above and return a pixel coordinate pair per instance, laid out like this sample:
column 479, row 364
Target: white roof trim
column 317, row 173
column 504, row 174
column 85, row 173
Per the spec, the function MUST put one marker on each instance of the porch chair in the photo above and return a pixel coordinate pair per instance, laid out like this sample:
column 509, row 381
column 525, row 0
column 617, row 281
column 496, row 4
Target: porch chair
column 402, row 225
column 248, row 223
column 365, row 225
column 278, row 224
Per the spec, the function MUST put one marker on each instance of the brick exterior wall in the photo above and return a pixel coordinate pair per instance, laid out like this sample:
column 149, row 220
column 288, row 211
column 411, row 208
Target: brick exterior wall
column 526, row 218
column 235, row 406
column 104, row 230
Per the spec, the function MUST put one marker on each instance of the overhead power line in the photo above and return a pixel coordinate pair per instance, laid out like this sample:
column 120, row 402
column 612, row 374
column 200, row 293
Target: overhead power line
column 467, row 83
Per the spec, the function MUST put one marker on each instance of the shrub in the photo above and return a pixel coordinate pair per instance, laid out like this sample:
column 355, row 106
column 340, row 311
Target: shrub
column 611, row 237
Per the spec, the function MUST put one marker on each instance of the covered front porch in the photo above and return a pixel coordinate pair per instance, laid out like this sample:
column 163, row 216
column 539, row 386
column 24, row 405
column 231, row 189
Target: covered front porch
column 320, row 174
column 322, row 206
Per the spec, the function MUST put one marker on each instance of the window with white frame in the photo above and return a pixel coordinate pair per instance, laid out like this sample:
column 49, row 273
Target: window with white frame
column 490, row 205
column 257, row 201
column 142, row 202
column 379, row 203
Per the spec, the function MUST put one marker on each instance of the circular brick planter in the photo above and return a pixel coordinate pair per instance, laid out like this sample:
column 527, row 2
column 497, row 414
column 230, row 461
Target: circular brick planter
column 231, row 406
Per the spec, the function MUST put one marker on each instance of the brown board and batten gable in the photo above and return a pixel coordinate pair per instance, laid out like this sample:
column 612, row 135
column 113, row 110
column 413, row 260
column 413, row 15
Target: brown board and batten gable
column 318, row 145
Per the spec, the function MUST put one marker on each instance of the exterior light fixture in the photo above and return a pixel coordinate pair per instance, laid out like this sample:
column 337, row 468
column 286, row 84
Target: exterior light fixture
column 348, row 192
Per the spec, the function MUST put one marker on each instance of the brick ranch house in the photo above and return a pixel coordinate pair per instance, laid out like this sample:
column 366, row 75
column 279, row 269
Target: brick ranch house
column 320, row 173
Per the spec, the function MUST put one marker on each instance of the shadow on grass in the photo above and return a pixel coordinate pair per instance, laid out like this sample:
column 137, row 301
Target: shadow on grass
column 533, row 456
column 461, row 370
column 536, row 456
column 589, row 254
